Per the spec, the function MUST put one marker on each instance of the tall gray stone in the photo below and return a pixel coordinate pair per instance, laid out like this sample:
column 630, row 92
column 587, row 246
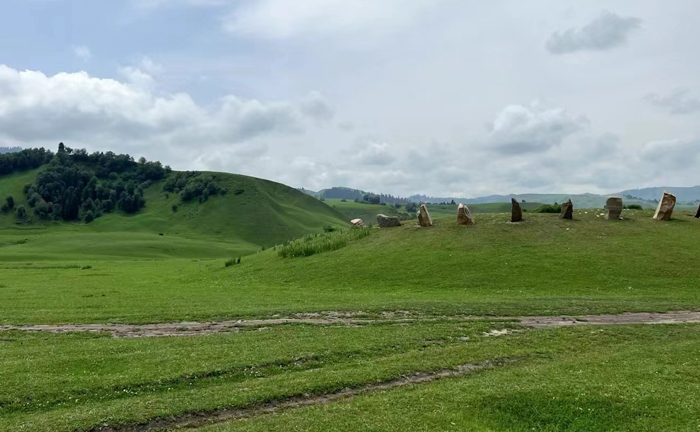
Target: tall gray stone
column 613, row 208
column 424, row 217
column 516, row 213
column 567, row 210
column 665, row 208
column 464, row 217
column 385, row 221
column 697, row 215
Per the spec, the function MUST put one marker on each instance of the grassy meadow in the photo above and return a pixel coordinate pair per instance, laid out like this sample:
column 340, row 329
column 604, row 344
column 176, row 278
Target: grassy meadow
column 433, row 299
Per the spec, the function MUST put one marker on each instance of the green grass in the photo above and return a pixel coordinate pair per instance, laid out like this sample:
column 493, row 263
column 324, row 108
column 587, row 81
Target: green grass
column 564, row 379
column 120, row 269
column 632, row 386
column 265, row 214
column 542, row 266
column 313, row 244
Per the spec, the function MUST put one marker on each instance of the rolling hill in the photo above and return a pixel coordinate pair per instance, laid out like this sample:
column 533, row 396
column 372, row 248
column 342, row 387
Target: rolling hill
column 255, row 213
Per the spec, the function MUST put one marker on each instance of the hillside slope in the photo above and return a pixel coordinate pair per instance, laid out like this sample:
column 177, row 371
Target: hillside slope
column 255, row 213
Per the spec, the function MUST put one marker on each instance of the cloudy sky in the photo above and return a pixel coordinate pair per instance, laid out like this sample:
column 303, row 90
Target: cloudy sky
column 441, row 97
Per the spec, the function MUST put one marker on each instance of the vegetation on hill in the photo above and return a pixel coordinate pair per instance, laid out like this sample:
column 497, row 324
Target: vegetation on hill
column 213, row 215
column 76, row 185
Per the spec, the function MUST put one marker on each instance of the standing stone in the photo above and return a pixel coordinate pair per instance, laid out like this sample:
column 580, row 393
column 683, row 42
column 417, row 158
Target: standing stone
column 385, row 221
column 567, row 210
column 357, row 222
column 463, row 216
column 665, row 208
column 613, row 208
column 697, row 215
column 516, row 213
column 424, row 217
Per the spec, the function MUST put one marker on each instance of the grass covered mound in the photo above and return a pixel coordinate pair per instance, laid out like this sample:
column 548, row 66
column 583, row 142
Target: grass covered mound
column 139, row 209
column 543, row 266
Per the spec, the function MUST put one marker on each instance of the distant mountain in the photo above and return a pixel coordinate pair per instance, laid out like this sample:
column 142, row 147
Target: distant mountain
column 10, row 149
column 684, row 194
column 646, row 197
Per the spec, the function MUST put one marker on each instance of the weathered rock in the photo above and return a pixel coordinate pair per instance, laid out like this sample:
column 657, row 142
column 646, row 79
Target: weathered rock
column 357, row 222
column 385, row 221
column 516, row 213
column 697, row 215
column 424, row 217
column 567, row 210
column 613, row 208
column 665, row 208
column 463, row 216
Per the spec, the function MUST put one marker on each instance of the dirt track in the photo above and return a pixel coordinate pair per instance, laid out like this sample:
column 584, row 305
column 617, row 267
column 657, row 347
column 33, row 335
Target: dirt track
column 202, row 328
column 198, row 419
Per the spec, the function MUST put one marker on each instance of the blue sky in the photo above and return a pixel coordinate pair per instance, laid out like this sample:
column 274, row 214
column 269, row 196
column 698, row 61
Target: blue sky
column 442, row 97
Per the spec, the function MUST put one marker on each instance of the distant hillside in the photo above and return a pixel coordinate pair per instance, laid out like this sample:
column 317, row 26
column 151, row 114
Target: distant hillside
column 10, row 149
column 689, row 194
column 228, row 207
column 579, row 200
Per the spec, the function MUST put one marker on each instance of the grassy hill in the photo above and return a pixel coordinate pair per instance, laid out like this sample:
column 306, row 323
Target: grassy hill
column 262, row 213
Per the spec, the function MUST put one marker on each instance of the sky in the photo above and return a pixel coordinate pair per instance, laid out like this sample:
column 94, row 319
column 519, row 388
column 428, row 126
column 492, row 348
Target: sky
column 438, row 97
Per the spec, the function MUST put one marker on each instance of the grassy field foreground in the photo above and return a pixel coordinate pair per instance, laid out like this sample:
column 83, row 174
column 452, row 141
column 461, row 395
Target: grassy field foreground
column 613, row 378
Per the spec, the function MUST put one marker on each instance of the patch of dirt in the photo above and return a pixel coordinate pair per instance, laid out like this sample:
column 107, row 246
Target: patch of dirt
column 346, row 319
column 619, row 319
column 198, row 419
column 182, row 328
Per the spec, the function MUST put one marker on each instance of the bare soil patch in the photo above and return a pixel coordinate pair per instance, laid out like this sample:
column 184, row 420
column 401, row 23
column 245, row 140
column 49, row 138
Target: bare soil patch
column 345, row 319
column 683, row 317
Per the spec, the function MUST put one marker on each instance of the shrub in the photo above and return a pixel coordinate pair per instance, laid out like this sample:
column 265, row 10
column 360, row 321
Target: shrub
column 232, row 261
column 411, row 207
column 174, row 208
column 551, row 208
column 10, row 202
column 329, row 228
column 4, row 208
column 634, row 207
column 21, row 212
column 319, row 243
column 89, row 216
column 343, row 200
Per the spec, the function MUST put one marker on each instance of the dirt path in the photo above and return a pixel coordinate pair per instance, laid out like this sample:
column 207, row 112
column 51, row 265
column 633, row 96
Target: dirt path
column 181, row 328
column 202, row 328
column 198, row 419
column 620, row 319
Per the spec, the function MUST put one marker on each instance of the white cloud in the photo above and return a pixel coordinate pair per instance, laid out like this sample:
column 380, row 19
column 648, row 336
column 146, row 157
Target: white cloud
column 374, row 154
column 277, row 19
column 82, row 52
column 37, row 109
column 607, row 31
column 677, row 102
column 520, row 129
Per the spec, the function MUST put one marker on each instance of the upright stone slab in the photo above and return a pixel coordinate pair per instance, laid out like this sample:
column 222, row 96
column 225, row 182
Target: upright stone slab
column 385, row 221
column 516, row 213
column 424, row 217
column 613, row 208
column 567, row 210
column 665, row 208
column 464, row 217
column 697, row 215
